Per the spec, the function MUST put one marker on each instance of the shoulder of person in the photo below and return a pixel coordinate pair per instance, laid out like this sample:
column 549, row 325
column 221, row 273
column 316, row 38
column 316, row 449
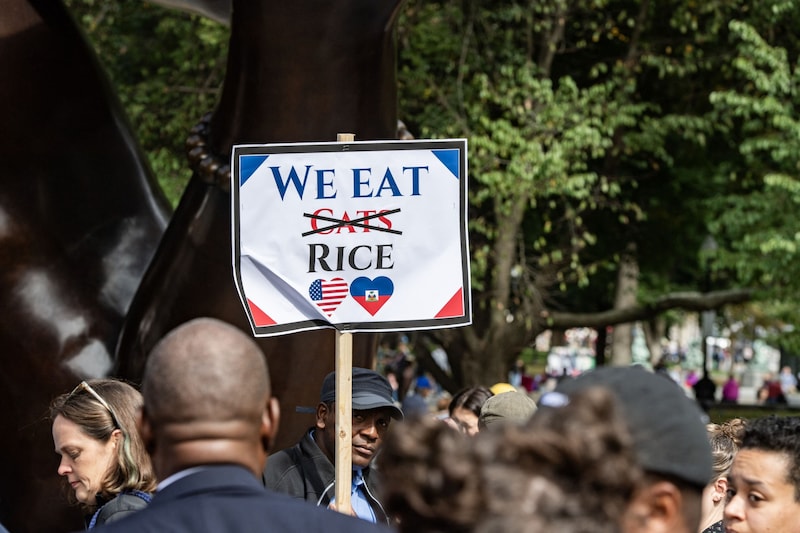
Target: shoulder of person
column 120, row 507
column 282, row 458
column 282, row 465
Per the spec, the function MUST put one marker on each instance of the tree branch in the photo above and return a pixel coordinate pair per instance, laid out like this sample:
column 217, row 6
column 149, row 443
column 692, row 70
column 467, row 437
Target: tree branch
column 552, row 39
column 689, row 301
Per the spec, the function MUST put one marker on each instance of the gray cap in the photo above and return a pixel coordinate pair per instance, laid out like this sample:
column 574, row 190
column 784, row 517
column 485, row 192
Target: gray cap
column 370, row 391
column 511, row 406
column 668, row 428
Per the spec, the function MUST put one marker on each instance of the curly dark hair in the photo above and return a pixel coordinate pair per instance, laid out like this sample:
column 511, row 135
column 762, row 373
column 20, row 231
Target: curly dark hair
column 779, row 434
column 570, row 469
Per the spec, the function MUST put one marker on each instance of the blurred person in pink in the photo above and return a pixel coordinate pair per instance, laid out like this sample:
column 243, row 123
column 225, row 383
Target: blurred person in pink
column 730, row 390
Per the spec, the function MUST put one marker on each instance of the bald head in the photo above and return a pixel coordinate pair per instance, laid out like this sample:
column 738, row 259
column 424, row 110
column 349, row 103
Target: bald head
column 207, row 399
column 205, row 371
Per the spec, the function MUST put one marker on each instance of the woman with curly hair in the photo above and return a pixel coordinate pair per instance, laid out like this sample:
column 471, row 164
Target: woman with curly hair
column 570, row 469
column 764, row 481
column 102, row 455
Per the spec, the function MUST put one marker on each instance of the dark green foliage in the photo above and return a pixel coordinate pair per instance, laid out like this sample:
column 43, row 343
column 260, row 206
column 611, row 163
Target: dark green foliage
column 594, row 127
column 167, row 67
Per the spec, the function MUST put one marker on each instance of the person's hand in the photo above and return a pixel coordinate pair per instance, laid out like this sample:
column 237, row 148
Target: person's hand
column 332, row 507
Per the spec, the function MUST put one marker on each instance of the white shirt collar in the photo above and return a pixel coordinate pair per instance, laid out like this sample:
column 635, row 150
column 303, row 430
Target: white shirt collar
column 178, row 475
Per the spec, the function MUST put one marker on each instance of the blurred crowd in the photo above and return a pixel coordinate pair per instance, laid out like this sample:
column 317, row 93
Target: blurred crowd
column 611, row 449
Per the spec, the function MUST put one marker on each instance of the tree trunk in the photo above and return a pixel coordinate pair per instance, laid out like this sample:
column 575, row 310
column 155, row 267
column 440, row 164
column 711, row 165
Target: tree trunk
column 626, row 296
column 654, row 331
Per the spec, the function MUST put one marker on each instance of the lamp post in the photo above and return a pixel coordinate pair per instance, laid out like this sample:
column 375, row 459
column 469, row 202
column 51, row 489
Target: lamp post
column 707, row 330
column 707, row 249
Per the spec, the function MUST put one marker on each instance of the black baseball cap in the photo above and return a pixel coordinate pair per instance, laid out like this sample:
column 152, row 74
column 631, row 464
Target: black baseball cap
column 668, row 428
column 370, row 391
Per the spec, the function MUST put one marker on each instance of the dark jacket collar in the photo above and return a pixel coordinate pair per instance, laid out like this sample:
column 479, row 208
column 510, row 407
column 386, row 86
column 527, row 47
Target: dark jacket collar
column 321, row 473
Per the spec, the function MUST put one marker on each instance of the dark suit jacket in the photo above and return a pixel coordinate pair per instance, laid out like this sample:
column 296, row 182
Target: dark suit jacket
column 228, row 498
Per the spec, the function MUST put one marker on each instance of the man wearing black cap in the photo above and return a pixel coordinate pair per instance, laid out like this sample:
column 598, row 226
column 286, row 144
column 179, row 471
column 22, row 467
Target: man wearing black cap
column 306, row 470
column 669, row 439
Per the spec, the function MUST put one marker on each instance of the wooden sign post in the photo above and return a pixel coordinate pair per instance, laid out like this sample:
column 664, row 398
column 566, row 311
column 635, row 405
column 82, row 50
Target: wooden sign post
column 344, row 406
column 344, row 420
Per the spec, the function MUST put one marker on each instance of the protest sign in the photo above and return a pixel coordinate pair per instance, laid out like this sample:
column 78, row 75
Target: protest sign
column 357, row 236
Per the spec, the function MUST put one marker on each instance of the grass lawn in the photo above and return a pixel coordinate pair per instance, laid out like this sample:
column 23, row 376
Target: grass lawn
column 721, row 413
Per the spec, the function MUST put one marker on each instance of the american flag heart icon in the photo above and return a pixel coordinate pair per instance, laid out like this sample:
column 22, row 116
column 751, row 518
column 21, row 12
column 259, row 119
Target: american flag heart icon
column 328, row 294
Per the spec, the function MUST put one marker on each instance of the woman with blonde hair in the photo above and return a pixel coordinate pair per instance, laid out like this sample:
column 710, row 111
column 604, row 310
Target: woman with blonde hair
column 725, row 440
column 103, row 457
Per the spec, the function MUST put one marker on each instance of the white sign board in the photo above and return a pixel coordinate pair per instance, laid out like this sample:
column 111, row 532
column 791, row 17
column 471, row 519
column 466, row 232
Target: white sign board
column 357, row 236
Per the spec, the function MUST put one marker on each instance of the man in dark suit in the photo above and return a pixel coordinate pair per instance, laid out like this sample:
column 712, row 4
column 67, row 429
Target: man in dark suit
column 209, row 420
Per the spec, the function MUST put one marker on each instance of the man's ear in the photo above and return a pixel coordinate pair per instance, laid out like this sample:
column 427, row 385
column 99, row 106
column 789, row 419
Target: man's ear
column 270, row 419
column 656, row 508
column 322, row 415
column 145, row 430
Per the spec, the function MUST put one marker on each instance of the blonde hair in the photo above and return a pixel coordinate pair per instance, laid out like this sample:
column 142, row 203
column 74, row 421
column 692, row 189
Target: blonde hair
column 133, row 469
column 725, row 440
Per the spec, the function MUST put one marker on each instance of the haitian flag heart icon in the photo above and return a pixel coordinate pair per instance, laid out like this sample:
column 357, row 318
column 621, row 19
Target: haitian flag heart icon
column 371, row 294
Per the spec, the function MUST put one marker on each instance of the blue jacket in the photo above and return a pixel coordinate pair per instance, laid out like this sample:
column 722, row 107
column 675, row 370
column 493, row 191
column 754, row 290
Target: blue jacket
column 229, row 498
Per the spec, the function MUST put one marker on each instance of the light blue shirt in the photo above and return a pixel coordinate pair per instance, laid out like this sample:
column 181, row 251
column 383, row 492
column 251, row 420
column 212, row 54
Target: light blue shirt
column 358, row 498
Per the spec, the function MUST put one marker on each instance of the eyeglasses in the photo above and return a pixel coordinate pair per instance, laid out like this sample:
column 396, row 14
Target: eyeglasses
column 88, row 388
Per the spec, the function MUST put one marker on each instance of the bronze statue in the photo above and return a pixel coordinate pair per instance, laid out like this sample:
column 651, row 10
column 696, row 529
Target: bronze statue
column 283, row 84
column 81, row 218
